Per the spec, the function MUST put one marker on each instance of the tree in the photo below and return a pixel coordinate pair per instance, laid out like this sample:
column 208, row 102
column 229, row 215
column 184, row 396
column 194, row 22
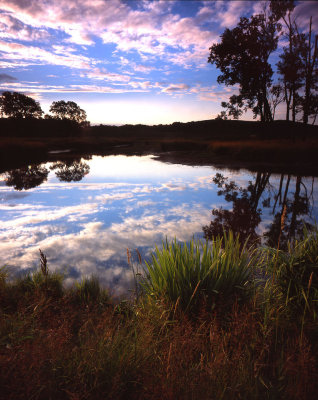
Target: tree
column 310, row 61
column 18, row 105
column 245, row 214
column 72, row 171
column 68, row 110
column 26, row 178
column 242, row 56
column 289, row 65
column 276, row 97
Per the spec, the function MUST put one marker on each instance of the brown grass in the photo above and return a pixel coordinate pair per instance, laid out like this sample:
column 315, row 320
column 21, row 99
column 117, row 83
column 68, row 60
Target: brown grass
column 58, row 349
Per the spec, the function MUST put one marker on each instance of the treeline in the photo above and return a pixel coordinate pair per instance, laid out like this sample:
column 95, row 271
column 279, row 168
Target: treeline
column 243, row 57
column 39, row 127
column 16, row 105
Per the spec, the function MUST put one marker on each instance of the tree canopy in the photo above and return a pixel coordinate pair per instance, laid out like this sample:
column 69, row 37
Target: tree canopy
column 68, row 110
column 18, row 105
column 243, row 57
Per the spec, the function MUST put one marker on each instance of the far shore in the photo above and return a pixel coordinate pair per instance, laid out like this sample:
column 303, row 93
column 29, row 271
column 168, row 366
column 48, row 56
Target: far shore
column 279, row 146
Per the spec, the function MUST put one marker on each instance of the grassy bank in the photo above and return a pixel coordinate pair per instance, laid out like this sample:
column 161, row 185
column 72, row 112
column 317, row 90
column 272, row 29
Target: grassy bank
column 213, row 322
column 230, row 143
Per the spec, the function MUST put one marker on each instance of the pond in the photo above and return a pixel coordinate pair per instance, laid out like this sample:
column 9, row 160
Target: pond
column 85, row 213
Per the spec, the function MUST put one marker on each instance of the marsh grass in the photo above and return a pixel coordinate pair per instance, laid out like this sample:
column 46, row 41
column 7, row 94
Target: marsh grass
column 296, row 272
column 75, row 346
column 88, row 291
column 199, row 273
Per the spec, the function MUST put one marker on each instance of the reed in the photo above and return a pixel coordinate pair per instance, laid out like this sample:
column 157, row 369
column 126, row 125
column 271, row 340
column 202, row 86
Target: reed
column 201, row 273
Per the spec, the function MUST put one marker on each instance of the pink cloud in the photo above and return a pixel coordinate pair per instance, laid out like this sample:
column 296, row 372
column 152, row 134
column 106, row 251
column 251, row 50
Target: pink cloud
column 102, row 74
column 179, row 87
column 12, row 28
column 35, row 55
column 149, row 29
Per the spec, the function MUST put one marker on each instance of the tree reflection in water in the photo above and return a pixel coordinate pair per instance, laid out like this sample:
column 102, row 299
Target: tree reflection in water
column 34, row 175
column 26, row 178
column 246, row 213
column 298, row 206
column 71, row 171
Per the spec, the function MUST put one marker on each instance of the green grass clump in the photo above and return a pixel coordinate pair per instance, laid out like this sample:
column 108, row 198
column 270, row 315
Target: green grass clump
column 212, row 274
column 89, row 291
column 295, row 273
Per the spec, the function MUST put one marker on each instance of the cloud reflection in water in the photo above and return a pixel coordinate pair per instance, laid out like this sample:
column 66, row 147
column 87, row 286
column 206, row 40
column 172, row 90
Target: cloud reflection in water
column 85, row 227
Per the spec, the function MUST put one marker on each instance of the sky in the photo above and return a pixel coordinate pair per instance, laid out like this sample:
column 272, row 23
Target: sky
column 122, row 61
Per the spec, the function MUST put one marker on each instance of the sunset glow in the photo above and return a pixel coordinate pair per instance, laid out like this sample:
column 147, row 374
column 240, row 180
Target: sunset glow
column 122, row 61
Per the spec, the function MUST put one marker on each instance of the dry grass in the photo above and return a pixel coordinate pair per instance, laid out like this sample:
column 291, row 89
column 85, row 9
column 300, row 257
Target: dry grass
column 75, row 344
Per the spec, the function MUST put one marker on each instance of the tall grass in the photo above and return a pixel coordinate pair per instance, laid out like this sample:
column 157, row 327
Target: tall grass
column 296, row 274
column 88, row 291
column 78, row 347
column 201, row 273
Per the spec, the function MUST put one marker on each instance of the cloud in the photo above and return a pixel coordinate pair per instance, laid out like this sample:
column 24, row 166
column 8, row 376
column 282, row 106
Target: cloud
column 148, row 29
column 103, row 74
column 234, row 10
column 4, row 78
column 302, row 13
column 12, row 28
column 176, row 88
column 37, row 90
column 32, row 55
column 96, row 249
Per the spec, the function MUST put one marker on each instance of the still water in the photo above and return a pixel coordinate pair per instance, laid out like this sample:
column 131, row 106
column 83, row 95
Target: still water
column 84, row 214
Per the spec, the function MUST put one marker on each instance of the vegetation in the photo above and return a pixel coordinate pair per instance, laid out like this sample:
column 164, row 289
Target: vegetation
column 68, row 110
column 201, row 274
column 243, row 59
column 18, row 105
column 69, row 343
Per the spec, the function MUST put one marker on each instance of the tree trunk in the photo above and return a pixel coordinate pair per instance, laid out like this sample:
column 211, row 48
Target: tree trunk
column 287, row 99
column 309, row 68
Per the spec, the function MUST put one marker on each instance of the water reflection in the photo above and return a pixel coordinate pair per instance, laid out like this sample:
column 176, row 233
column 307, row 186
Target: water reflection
column 298, row 204
column 26, row 178
column 34, row 175
column 71, row 171
column 246, row 213
column 85, row 213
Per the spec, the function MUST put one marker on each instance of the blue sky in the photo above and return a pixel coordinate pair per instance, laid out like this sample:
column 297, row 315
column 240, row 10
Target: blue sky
column 121, row 61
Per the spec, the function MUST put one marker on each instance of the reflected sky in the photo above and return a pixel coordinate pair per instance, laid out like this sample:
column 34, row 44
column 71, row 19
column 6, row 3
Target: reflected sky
column 84, row 227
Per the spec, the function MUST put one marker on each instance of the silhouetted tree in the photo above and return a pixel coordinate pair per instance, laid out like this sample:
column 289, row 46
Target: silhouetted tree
column 288, row 66
column 18, row 105
column 234, row 108
column 242, row 57
column 71, row 171
column 245, row 215
column 309, row 55
column 276, row 96
column 68, row 110
column 26, row 178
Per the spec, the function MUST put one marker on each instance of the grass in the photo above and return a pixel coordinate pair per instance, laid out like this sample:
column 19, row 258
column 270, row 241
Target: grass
column 220, row 273
column 173, row 343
